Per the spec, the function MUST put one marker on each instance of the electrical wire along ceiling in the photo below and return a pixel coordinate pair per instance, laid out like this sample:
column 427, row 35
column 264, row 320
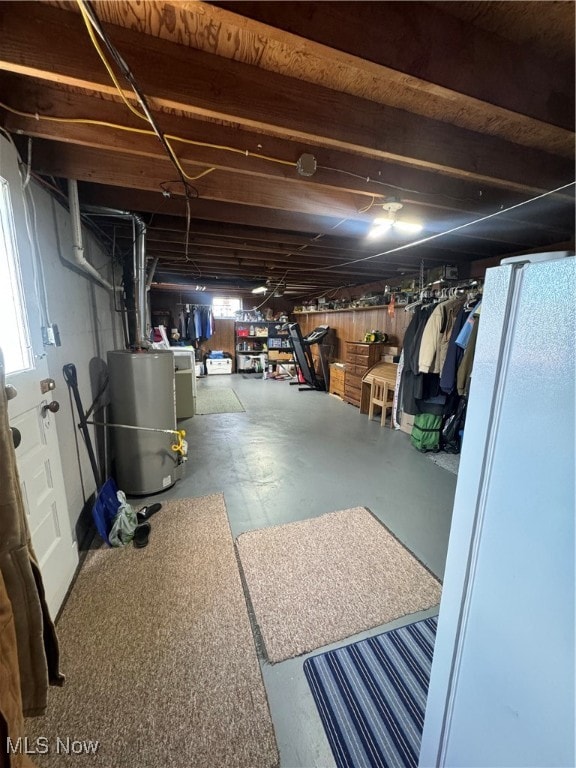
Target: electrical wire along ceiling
column 301, row 146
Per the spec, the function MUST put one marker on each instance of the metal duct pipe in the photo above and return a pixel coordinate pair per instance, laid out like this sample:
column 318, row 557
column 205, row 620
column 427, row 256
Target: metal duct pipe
column 100, row 210
column 151, row 272
column 140, row 281
column 77, row 243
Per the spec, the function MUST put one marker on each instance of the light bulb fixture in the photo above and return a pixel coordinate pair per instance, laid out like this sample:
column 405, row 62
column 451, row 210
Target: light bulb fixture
column 381, row 227
column 410, row 227
column 260, row 289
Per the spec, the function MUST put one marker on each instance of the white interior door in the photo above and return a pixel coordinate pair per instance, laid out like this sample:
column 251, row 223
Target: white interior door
column 38, row 454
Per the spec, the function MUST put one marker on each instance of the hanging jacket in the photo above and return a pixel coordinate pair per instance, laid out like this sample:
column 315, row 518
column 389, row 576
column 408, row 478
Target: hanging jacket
column 412, row 380
column 37, row 644
column 465, row 367
column 454, row 354
column 436, row 336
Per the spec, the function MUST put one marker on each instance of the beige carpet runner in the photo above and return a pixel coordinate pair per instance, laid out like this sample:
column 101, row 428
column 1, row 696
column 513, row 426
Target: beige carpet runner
column 159, row 656
column 321, row 580
column 217, row 400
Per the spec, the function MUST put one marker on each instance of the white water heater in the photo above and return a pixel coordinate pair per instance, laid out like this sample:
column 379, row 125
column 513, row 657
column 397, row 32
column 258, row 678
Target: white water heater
column 142, row 394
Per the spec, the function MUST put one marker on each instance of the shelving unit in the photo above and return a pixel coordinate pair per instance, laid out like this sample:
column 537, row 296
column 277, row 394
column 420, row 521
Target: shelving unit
column 258, row 343
column 343, row 309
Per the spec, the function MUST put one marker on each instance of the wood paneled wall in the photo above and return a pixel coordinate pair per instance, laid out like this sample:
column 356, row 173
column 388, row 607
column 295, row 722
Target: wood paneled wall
column 352, row 324
column 222, row 339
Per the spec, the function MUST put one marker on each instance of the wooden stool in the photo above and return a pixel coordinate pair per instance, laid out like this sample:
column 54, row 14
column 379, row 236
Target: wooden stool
column 381, row 395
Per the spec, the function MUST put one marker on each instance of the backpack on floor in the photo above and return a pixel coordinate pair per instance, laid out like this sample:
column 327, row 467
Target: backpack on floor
column 425, row 434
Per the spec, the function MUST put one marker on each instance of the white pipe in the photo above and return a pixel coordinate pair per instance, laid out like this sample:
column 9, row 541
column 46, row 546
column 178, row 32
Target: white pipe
column 77, row 244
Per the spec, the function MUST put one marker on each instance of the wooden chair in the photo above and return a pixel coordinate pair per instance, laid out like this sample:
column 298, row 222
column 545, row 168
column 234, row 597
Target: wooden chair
column 382, row 396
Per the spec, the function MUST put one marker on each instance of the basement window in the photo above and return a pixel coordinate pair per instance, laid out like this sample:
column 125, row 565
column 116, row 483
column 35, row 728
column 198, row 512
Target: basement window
column 225, row 307
column 16, row 345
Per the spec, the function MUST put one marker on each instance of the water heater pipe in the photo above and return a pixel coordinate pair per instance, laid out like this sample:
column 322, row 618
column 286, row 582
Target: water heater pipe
column 140, row 281
column 77, row 242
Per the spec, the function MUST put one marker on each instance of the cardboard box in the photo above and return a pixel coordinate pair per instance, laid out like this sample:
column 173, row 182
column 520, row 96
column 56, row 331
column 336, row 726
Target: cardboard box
column 406, row 423
column 275, row 355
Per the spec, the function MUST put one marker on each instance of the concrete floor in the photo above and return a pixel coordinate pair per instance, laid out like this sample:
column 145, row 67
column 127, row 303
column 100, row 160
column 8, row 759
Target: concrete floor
column 294, row 455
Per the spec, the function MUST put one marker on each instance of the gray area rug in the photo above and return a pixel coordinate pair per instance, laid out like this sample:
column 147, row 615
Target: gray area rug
column 321, row 580
column 217, row 400
column 449, row 461
column 159, row 655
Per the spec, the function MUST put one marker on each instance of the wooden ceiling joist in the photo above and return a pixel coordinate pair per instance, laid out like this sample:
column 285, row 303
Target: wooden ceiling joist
column 53, row 46
column 442, row 107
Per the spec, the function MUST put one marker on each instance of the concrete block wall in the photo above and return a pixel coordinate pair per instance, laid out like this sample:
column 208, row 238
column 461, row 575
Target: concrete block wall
column 88, row 326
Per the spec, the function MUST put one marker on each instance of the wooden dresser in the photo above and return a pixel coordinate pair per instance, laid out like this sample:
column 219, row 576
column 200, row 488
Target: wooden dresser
column 337, row 379
column 360, row 356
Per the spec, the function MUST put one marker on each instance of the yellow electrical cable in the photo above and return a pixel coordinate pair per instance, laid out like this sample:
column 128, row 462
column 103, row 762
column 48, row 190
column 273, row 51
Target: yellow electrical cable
column 81, row 120
column 88, row 25
column 237, row 151
column 109, row 69
column 179, row 165
column 142, row 131
column 103, row 123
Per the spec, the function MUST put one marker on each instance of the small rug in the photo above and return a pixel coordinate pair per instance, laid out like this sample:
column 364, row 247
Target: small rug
column 371, row 696
column 217, row 400
column 449, row 461
column 160, row 662
column 317, row 581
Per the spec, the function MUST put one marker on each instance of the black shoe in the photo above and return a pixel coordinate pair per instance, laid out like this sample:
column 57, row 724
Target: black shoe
column 141, row 535
column 147, row 512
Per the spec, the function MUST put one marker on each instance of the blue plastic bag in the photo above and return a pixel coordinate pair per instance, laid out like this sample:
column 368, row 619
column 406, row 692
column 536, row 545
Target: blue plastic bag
column 105, row 508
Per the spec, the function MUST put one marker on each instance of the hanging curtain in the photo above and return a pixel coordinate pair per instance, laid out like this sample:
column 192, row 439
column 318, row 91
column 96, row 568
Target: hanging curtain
column 36, row 643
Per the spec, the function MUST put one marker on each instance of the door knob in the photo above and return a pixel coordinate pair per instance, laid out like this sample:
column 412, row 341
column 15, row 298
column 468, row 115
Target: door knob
column 53, row 407
column 11, row 392
column 16, row 436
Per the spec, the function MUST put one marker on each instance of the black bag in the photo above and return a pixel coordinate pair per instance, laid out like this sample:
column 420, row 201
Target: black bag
column 425, row 434
column 451, row 440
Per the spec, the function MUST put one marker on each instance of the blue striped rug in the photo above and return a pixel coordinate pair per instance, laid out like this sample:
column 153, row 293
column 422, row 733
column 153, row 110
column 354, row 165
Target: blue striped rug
column 371, row 696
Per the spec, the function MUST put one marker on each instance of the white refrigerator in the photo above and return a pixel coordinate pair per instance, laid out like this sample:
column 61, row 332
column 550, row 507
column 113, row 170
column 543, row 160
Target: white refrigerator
column 502, row 687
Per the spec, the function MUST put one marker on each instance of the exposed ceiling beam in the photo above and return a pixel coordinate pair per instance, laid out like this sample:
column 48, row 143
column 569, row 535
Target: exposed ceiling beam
column 336, row 170
column 409, row 37
column 155, row 204
column 517, row 96
column 87, row 164
column 53, row 46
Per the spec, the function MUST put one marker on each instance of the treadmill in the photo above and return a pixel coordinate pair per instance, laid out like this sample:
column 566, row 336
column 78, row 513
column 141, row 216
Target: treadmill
column 302, row 347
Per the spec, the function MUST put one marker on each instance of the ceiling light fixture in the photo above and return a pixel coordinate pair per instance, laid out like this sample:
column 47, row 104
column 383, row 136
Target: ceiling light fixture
column 381, row 227
column 260, row 289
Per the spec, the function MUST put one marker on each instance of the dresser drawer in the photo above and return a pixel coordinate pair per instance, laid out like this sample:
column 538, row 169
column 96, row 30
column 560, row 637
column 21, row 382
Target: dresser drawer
column 337, row 380
column 357, row 369
column 358, row 358
column 353, row 388
column 356, row 350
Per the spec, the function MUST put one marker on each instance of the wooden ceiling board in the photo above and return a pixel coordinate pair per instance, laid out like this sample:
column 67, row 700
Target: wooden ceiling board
column 444, row 107
column 545, row 26
column 333, row 50
column 274, row 103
